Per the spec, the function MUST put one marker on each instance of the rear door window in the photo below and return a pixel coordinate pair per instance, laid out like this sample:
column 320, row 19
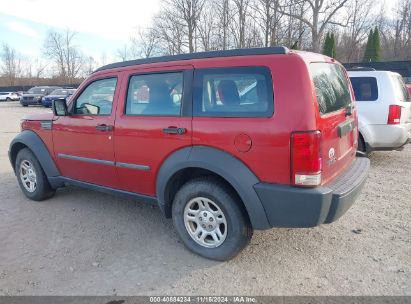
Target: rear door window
column 331, row 86
column 233, row 92
column 365, row 88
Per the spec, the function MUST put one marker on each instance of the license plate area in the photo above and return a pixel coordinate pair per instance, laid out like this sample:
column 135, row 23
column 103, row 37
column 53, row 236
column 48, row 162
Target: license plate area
column 345, row 127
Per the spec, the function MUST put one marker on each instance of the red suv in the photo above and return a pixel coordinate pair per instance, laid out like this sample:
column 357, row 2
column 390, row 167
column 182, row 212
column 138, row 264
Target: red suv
column 223, row 142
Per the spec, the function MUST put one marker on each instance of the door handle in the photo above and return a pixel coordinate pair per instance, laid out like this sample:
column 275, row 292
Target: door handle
column 104, row 128
column 174, row 130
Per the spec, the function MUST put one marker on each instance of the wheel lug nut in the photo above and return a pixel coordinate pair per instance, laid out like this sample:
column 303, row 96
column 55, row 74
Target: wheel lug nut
column 204, row 226
column 201, row 219
column 205, row 213
column 210, row 227
column 211, row 219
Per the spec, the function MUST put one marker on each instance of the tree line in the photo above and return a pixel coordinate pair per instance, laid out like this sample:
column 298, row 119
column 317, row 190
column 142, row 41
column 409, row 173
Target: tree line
column 349, row 30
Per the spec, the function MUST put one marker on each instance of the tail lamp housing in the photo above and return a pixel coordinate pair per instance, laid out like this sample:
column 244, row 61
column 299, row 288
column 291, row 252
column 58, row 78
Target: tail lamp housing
column 394, row 115
column 306, row 160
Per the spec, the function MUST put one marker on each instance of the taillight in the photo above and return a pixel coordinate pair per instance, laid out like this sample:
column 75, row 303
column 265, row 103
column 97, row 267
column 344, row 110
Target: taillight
column 306, row 162
column 394, row 115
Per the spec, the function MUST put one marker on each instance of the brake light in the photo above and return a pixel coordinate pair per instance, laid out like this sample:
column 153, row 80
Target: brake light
column 306, row 162
column 394, row 115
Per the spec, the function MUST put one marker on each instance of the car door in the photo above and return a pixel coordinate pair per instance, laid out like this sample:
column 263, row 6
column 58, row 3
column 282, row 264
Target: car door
column 153, row 121
column 83, row 140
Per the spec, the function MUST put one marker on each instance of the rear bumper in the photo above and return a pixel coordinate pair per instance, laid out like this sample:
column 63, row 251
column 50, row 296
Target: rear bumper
column 287, row 206
column 389, row 137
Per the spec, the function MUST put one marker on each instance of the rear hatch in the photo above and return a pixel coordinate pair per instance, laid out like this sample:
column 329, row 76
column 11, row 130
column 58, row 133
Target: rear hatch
column 336, row 118
column 402, row 98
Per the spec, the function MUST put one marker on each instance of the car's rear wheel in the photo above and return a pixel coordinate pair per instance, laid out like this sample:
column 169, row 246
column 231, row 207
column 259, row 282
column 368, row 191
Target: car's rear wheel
column 210, row 219
column 31, row 177
column 8, row 99
column 361, row 144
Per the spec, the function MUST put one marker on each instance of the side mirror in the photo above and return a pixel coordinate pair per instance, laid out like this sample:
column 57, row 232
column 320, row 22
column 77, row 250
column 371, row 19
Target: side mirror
column 60, row 107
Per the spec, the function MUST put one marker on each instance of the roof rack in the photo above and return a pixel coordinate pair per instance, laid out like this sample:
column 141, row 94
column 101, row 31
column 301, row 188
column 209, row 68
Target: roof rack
column 359, row 68
column 199, row 55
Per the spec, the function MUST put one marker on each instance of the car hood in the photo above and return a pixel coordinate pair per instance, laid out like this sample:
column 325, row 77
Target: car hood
column 39, row 116
column 55, row 96
column 32, row 95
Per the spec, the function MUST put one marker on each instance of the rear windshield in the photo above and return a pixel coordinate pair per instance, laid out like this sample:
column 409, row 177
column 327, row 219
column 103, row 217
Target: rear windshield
column 401, row 88
column 365, row 88
column 331, row 86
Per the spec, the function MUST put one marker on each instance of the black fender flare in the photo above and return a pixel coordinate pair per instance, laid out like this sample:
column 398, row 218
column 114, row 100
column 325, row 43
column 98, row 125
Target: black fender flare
column 32, row 141
column 234, row 171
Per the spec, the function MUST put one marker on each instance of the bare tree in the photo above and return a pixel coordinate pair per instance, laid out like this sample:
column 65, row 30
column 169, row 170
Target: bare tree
column 268, row 17
column 239, row 25
column 319, row 14
column 68, row 59
column 146, row 44
column 359, row 19
column 11, row 64
column 208, row 28
column 90, row 66
column 123, row 53
column 402, row 23
column 187, row 14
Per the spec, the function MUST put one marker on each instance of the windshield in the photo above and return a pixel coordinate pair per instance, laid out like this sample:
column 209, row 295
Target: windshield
column 331, row 86
column 37, row 91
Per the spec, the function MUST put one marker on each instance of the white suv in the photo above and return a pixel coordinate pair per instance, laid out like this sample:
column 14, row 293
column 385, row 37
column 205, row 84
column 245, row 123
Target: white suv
column 384, row 109
column 9, row 96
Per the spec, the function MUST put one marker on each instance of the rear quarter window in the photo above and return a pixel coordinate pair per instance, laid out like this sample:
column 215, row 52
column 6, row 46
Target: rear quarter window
column 331, row 86
column 233, row 92
column 365, row 88
column 401, row 89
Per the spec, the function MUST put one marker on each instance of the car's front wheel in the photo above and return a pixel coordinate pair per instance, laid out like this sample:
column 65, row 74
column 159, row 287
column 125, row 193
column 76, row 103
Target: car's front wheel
column 31, row 177
column 210, row 219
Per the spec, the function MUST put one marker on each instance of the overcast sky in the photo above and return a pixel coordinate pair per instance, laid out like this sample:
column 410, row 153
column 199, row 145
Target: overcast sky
column 103, row 26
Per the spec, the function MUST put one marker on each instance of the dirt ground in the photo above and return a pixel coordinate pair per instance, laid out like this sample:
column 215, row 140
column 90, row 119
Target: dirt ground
column 86, row 243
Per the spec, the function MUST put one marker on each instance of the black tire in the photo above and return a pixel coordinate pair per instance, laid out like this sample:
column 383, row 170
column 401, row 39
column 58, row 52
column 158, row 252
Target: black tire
column 43, row 190
column 8, row 99
column 361, row 144
column 239, row 230
column 24, row 105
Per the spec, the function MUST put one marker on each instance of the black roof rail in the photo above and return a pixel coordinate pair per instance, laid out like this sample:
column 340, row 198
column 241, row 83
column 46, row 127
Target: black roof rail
column 199, row 55
column 359, row 68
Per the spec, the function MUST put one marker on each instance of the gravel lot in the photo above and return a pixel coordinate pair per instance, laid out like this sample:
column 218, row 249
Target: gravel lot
column 86, row 243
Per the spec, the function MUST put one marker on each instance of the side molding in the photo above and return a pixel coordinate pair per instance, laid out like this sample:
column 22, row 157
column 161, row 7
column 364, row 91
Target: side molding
column 225, row 165
column 38, row 147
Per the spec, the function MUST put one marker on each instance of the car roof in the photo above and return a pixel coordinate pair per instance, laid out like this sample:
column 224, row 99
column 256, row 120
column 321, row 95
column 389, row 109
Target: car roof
column 199, row 55
column 369, row 73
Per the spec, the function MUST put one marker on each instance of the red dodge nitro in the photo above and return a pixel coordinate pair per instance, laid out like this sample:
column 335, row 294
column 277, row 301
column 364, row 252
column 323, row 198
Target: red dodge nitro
column 223, row 142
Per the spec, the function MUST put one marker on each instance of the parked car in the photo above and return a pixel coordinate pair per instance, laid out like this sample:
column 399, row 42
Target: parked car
column 35, row 95
column 175, row 131
column 384, row 109
column 9, row 96
column 47, row 100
